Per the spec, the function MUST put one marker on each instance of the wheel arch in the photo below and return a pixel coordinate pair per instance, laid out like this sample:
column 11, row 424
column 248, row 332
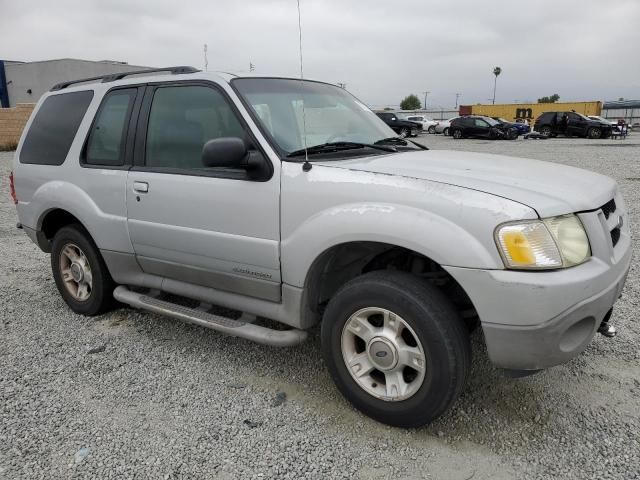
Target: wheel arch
column 343, row 262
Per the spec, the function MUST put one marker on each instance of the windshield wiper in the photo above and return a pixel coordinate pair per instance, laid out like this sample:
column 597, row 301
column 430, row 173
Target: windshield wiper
column 336, row 147
column 399, row 141
column 392, row 140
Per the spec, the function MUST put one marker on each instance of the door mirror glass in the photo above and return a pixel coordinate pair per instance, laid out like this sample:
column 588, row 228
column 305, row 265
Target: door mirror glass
column 229, row 152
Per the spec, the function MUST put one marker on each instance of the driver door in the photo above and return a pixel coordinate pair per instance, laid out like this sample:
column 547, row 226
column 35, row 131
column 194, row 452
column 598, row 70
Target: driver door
column 208, row 226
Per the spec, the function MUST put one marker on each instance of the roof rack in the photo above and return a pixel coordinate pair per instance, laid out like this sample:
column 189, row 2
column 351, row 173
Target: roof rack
column 119, row 76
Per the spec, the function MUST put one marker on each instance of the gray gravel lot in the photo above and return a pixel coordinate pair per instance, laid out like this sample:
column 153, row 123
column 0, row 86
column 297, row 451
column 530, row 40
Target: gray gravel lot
column 162, row 399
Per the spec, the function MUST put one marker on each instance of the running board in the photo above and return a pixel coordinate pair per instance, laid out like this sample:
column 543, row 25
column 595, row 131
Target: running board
column 236, row 328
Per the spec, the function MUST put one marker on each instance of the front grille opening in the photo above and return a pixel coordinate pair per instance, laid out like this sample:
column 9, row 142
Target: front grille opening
column 615, row 236
column 608, row 208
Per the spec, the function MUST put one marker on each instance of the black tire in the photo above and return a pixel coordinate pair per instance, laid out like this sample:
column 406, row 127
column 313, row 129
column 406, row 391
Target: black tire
column 445, row 132
column 100, row 297
column 594, row 133
column 431, row 129
column 545, row 131
column 438, row 327
column 457, row 134
column 404, row 132
column 512, row 135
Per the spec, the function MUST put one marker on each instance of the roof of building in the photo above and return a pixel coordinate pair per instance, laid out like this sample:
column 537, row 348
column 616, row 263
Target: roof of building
column 109, row 62
column 621, row 104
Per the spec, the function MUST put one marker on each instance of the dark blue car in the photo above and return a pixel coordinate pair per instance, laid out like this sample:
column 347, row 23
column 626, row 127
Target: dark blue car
column 520, row 127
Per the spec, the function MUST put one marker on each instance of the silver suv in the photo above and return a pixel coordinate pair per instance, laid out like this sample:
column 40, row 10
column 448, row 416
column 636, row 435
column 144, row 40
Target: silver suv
column 291, row 200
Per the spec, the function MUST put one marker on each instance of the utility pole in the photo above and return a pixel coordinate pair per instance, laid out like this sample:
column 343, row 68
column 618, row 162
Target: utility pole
column 206, row 60
column 458, row 95
column 427, row 92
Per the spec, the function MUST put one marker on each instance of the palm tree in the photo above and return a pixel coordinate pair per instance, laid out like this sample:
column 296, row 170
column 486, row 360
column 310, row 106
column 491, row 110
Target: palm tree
column 496, row 71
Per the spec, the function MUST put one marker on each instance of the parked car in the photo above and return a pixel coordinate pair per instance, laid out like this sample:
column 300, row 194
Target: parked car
column 474, row 126
column 404, row 128
column 428, row 125
column 443, row 126
column 571, row 124
column 520, row 127
column 620, row 125
column 210, row 188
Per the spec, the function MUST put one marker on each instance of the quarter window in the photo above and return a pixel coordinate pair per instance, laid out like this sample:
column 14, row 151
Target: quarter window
column 54, row 127
column 182, row 119
column 107, row 137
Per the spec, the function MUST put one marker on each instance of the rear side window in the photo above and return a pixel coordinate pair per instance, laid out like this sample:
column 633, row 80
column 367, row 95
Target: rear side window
column 108, row 133
column 54, row 128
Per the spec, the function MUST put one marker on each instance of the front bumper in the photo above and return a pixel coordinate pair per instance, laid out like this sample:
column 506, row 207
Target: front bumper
column 534, row 320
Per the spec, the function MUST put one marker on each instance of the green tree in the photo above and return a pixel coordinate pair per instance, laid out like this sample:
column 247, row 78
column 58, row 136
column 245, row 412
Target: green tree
column 552, row 99
column 410, row 102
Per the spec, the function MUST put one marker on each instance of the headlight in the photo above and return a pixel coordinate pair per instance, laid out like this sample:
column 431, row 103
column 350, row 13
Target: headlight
column 555, row 242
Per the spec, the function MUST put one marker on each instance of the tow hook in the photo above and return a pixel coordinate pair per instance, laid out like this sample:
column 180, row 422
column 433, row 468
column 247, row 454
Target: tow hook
column 607, row 330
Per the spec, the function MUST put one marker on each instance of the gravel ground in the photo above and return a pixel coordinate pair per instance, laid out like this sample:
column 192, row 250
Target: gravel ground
column 134, row 395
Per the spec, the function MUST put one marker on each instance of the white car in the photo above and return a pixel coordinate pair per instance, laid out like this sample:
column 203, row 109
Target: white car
column 428, row 124
column 443, row 126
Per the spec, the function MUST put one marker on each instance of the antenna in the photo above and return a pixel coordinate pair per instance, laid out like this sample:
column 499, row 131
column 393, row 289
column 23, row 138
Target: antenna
column 307, row 166
column 206, row 60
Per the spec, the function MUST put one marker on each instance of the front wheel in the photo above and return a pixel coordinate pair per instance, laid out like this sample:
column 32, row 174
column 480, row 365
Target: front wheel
column 431, row 129
column 545, row 131
column 404, row 132
column 445, row 132
column 80, row 273
column 594, row 132
column 395, row 347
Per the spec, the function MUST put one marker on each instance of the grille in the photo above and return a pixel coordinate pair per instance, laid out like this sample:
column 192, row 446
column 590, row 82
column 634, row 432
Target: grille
column 608, row 208
column 615, row 236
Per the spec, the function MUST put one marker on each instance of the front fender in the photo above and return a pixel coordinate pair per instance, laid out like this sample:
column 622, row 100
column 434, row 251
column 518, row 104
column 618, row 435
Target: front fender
column 416, row 229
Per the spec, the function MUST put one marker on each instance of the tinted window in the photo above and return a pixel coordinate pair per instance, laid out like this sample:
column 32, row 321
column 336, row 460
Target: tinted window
column 182, row 120
column 54, row 128
column 107, row 137
column 480, row 123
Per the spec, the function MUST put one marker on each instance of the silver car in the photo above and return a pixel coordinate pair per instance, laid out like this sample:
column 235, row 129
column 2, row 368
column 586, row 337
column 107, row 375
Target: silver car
column 289, row 199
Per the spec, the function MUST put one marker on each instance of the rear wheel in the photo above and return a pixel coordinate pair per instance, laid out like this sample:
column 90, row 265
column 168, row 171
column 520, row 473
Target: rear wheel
column 395, row 347
column 445, row 131
column 545, row 131
column 80, row 273
column 594, row 132
column 457, row 134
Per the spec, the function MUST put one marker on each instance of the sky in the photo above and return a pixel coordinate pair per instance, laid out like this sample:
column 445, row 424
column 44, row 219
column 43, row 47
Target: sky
column 382, row 49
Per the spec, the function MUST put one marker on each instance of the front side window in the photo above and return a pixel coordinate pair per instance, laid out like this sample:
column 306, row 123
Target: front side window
column 182, row 119
column 481, row 123
column 107, row 137
column 298, row 114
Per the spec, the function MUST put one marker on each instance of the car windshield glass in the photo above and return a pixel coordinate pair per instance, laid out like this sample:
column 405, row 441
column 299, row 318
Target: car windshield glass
column 581, row 116
column 331, row 114
column 491, row 121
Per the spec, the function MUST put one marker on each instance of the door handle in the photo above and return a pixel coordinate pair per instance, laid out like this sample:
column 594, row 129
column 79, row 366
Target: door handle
column 141, row 187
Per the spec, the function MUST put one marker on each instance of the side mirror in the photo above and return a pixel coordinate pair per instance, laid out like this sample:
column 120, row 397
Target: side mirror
column 228, row 152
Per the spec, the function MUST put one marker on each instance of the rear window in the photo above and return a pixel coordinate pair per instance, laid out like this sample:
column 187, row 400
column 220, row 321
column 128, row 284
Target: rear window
column 54, row 127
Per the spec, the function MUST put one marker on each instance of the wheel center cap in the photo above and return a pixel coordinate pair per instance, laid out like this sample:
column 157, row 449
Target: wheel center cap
column 77, row 273
column 382, row 353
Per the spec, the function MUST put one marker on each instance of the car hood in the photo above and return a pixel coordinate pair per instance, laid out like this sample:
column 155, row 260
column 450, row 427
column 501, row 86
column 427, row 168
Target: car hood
column 549, row 188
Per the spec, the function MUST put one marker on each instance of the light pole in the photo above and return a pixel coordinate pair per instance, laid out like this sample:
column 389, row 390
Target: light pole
column 458, row 95
column 427, row 92
column 496, row 71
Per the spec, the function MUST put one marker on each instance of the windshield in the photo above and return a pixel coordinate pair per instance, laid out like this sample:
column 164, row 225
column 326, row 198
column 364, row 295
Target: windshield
column 331, row 114
column 491, row 121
